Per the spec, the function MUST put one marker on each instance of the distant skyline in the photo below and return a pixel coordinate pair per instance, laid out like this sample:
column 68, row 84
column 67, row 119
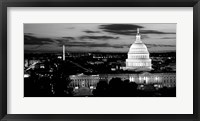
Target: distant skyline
column 95, row 37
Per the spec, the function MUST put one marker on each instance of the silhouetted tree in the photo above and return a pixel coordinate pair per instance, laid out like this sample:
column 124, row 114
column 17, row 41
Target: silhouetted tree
column 168, row 92
column 101, row 89
column 132, row 89
column 116, row 87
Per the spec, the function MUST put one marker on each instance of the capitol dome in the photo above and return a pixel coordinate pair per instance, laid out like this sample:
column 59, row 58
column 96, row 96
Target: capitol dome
column 138, row 56
column 138, row 48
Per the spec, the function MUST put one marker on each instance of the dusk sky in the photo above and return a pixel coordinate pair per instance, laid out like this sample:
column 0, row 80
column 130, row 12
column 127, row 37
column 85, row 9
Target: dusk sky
column 85, row 37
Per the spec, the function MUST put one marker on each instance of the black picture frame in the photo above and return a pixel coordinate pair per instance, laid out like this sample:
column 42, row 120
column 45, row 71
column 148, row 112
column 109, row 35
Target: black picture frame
column 99, row 3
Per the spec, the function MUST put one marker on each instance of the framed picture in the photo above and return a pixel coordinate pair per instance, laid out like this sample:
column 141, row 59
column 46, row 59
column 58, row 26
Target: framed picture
column 99, row 60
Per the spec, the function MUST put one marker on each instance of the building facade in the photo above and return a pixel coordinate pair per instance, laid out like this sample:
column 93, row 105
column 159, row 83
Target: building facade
column 138, row 56
column 90, row 81
column 81, row 80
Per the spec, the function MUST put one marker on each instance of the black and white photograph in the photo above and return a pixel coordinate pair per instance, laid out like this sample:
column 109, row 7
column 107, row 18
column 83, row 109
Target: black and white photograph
column 99, row 59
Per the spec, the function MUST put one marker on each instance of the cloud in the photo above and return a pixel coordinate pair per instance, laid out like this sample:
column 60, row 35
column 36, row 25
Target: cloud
column 88, row 31
column 69, row 38
column 168, row 38
column 32, row 40
column 119, row 27
column 31, row 34
column 92, row 44
column 85, row 44
column 123, row 29
column 158, row 45
column 64, row 40
column 144, row 36
column 120, row 46
column 98, row 37
column 128, row 29
column 155, row 32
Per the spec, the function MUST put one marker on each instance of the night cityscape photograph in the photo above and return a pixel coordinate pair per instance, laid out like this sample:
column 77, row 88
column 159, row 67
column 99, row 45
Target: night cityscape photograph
column 99, row 59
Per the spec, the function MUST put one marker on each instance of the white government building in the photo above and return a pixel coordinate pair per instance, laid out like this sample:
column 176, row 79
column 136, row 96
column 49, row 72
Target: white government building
column 138, row 56
column 90, row 81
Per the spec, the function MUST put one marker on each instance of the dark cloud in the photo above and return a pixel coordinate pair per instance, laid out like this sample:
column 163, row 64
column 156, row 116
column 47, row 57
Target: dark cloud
column 36, row 47
column 98, row 45
column 151, row 45
column 92, row 44
column 128, row 29
column 98, row 37
column 85, row 44
column 64, row 40
column 119, row 27
column 29, row 34
column 69, row 38
column 120, row 46
column 123, row 29
column 156, row 45
column 88, row 31
column 32, row 40
column 122, row 32
column 144, row 36
column 168, row 38
column 133, row 32
column 155, row 32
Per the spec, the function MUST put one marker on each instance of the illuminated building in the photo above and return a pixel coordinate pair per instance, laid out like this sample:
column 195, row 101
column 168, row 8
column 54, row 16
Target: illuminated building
column 81, row 80
column 90, row 81
column 138, row 56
